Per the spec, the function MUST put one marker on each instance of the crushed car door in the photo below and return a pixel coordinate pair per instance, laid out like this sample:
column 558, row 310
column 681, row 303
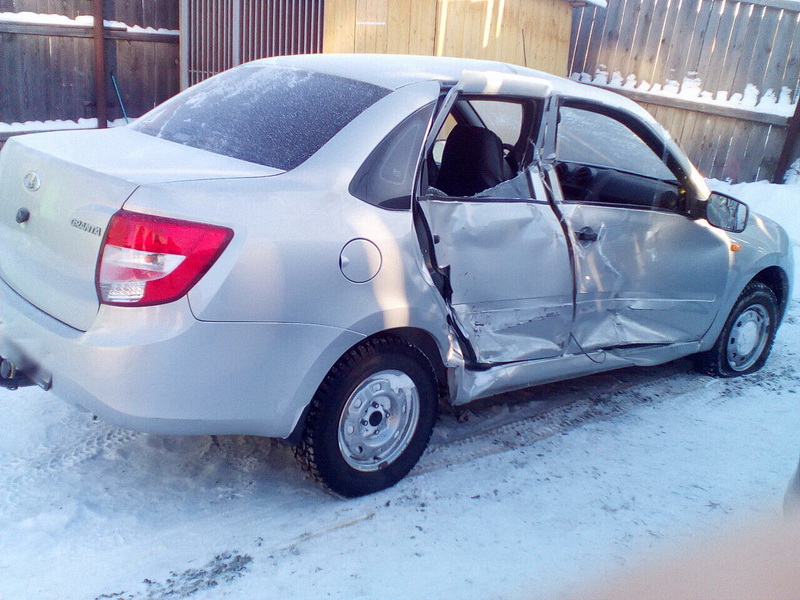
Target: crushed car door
column 645, row 272
column 495, row 240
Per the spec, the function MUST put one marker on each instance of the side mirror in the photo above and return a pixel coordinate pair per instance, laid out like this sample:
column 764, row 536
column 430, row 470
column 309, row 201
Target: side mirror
column 726, row 212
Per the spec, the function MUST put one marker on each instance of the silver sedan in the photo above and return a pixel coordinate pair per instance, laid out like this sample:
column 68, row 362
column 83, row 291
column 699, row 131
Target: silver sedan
column 323, row 248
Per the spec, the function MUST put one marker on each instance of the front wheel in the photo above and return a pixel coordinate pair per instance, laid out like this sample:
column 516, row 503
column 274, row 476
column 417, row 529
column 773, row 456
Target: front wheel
column 371, row 418
column 746, row 340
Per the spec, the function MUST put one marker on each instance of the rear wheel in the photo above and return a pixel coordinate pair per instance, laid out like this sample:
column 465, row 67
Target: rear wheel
column 746, row 340
column 371, row 418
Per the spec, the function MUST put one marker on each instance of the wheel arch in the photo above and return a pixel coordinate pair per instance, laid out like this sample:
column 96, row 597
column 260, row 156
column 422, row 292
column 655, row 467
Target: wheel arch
column 776, row 279
column 421, row 339
column 426, row 344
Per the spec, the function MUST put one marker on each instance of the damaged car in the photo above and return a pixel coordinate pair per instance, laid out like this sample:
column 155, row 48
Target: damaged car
column 323, row 248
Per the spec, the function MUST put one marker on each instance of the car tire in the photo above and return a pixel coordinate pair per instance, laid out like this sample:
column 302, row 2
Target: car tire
column 746, row 340
column 371, row 418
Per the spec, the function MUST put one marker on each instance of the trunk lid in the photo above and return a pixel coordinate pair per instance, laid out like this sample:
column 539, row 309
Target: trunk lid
column 58, row 192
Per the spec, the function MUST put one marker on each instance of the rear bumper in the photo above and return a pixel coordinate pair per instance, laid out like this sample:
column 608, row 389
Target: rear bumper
column 159, row 370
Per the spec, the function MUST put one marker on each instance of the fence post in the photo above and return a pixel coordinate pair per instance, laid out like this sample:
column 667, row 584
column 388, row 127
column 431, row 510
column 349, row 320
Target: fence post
column 184, row 43
column 100, row 90
column 791, row 147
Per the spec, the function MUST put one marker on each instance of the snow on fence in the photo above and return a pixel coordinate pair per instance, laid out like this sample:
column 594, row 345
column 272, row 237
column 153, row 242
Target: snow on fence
column 723, row 76
column 47, row 60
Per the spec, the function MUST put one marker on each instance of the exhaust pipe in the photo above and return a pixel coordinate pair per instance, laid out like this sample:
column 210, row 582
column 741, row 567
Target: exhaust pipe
column 10, row 378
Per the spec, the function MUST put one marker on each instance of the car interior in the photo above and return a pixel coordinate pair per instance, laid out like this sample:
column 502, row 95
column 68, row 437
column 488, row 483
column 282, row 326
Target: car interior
column 480, row 149
column 626, row 172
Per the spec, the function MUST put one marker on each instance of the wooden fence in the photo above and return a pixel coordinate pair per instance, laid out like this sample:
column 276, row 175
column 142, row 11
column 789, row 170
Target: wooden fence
column 726, row 44
column 47, row 69
column 526, row 32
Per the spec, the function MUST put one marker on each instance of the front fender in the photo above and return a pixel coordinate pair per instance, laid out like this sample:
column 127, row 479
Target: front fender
column 764, row 247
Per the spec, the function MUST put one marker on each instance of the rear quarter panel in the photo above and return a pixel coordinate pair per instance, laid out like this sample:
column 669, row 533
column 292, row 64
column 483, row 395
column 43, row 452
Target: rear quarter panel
column 284, row 262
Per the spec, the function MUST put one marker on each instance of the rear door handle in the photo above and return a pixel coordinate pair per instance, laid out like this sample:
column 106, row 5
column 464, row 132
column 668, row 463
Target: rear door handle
column 586, row 234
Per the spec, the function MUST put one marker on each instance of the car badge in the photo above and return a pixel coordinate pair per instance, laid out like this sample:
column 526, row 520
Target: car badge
column 32, row 181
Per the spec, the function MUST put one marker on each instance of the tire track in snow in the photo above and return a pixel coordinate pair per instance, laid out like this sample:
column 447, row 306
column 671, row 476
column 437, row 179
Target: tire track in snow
column 499, row 427
column 21, row 476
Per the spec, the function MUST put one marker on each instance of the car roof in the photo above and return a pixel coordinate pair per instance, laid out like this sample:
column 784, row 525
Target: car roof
column 393, row 71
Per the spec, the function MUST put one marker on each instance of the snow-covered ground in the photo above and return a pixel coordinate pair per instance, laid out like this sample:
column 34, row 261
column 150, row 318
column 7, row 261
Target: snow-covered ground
column 509, row 504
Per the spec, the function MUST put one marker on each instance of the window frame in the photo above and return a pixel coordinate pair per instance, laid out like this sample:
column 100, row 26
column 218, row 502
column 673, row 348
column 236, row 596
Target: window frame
column 650, row 138
column 462, row 111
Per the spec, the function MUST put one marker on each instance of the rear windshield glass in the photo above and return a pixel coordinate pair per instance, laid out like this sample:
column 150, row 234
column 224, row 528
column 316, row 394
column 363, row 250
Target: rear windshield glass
column 272, row 116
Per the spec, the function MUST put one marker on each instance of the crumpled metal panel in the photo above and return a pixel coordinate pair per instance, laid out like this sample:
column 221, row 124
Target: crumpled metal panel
column 510, row 275
column 651, row 277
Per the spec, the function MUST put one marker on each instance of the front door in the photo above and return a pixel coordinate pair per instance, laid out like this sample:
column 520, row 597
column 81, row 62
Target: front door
column 645, row 272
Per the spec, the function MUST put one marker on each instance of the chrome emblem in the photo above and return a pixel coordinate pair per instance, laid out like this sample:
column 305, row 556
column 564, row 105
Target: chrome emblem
column 32, row 181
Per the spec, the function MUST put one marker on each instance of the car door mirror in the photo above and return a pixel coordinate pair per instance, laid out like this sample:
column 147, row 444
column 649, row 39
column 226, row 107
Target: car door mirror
column 726, row 212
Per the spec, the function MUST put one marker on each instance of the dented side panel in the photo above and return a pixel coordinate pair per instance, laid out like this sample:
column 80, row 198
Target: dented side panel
column 651, row 277
column 510, row 276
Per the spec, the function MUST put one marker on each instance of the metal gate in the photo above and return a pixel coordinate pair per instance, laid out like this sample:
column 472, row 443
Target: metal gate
column 219, row 34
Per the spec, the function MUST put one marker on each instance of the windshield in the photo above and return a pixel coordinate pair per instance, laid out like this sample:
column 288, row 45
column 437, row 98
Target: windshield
column 264, row 114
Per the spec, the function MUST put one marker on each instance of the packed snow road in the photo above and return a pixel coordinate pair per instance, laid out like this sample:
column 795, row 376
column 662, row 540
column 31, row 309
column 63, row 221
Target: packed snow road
column 517, row 497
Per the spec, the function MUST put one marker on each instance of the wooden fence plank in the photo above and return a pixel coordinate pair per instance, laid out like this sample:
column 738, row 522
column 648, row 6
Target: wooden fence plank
column 716, row 137
column 793, row 61
column 339, row 26
column 744, row 47
column 703, row 38
column 763, row 49
column 646, row 28
column 717, row 53
column 772, row 151
column 596, row 41
column 754, row 155
column 649, row 54
column 626, row 37
column 724, row 70
column 719, row 156
column 776, row 71
column 705, row 44
column 606, row 43
column 422, row 29
column 398, row 23
column 508, row 30
column 674, row 63
column 578, row 39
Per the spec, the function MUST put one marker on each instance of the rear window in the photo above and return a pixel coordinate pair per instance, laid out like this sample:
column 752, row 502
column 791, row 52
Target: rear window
column 268, row 115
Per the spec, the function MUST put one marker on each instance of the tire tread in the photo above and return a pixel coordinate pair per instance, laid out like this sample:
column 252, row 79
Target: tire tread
column 305, row 452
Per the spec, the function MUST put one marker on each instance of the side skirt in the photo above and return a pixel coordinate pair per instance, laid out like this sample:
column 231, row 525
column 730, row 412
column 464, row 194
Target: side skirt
column 499, row 379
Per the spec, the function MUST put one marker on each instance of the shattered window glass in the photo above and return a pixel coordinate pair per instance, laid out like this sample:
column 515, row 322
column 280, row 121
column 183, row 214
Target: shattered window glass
column 264, row 114
column 513, row 189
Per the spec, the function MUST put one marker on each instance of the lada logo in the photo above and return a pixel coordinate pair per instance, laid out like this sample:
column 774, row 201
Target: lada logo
column 32, row 181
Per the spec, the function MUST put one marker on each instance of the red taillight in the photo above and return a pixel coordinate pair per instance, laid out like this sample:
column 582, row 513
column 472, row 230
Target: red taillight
column 149, row 260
